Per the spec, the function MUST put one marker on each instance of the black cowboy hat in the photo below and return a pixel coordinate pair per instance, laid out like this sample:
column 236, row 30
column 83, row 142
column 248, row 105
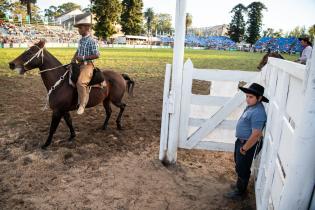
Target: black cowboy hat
column 256, row 90
column 306, row 39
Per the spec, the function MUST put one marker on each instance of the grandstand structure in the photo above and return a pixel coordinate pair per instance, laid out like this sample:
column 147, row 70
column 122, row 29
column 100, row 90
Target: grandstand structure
column 218, row 30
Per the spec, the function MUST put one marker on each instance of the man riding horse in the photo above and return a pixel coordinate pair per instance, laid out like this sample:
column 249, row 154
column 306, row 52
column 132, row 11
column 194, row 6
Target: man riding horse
column 86, row 53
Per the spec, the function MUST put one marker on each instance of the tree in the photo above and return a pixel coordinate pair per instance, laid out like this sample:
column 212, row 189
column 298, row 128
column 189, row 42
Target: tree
column 311, row 32
column 270, row 32
column 54, row 11
column 164, row 23
column 298, row 32
column 28, row 4
column 131, row 17
column 278, row 34
column 236, row 28
column 107, row 13
column 4, row 7
column 188, row 22
column 150, row 19
column 51, row 13
column 67, row 7
column 254, row 22
column 16, row 8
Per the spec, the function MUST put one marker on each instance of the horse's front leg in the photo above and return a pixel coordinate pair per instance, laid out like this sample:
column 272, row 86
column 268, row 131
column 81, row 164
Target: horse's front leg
column 56, row 117
column 68, row 120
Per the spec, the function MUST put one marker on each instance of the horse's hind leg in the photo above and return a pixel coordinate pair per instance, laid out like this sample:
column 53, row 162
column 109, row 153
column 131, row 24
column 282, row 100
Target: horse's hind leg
column 56, row 117
column 122, row 107
column 68, row 120
column 108, row 109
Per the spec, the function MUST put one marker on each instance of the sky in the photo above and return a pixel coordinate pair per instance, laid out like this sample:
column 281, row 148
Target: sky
column 281, row 14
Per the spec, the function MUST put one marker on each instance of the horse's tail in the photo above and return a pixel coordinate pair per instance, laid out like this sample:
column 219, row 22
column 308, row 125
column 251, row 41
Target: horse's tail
column 130, row 83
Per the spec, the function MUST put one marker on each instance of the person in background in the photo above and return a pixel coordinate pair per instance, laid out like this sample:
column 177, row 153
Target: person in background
column 307, row 51
column 248, row 132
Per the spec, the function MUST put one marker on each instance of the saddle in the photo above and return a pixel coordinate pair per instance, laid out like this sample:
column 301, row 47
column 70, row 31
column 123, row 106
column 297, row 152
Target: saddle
column 97, row 78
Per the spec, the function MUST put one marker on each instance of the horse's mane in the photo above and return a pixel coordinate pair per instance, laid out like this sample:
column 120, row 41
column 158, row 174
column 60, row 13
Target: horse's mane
column 52, row 56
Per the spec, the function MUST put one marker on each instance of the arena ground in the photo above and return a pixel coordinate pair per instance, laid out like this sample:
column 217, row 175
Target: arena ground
column 108, row 169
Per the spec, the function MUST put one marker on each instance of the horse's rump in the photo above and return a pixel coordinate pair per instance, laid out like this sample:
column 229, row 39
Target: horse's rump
column 97, row 78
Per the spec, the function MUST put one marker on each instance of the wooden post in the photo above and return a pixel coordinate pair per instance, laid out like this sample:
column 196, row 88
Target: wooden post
column 175, row 95
column 300, row 180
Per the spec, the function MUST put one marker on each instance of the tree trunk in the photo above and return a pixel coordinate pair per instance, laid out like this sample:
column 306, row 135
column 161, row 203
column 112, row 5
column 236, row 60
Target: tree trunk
column 29, row 11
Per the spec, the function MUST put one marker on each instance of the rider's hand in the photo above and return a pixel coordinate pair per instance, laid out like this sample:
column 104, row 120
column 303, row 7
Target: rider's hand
column 79, row 58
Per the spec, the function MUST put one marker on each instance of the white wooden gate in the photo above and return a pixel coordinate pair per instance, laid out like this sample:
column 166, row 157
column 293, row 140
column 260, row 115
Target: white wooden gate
column 208, row 121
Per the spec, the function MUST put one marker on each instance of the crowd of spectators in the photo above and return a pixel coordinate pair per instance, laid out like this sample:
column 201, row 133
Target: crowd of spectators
column 283, row 45
column 211, row 42
column 17, row 34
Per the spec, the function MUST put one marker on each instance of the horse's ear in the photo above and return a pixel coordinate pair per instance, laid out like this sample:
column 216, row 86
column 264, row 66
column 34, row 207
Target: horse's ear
column 41, row 43
column 269, row 51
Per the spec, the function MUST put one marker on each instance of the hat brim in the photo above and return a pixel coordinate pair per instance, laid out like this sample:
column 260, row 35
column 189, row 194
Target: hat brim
column 251, row 91
column 82, row 24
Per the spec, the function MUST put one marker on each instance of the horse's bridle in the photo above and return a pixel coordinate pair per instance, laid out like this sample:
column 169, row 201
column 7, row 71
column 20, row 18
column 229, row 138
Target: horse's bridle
column 39, row 53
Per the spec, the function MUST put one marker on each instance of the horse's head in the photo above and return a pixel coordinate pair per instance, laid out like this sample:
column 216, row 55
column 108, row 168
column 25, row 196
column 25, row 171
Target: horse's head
column 30, row 59
column 264, row 60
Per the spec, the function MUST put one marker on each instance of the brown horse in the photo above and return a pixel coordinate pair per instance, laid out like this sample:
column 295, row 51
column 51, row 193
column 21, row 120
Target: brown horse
column 64, row 97
column 264, row 60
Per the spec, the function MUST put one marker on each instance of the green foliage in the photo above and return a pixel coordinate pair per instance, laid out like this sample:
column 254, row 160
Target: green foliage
column 51, row 13
column 237, row 26
column 311, row 32
column 150, row 20
column 254, row 22
column 298, row 32
column 16, row 8
column 4, row 7
column 54, row 11
column 164, row 23
column 270, row 32
column 131, row 17
column 67, row 7
column 107, row 13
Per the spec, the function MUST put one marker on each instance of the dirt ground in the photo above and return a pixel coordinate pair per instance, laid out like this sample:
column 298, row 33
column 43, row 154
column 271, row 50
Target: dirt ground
column 103, row 169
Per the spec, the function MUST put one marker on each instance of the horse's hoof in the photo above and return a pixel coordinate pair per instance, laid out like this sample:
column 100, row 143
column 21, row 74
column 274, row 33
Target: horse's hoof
column 44, row 147
column 71, row 138
column 104, row 128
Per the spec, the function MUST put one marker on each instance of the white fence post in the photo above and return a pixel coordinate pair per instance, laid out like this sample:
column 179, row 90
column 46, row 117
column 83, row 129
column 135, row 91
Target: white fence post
column 178, row 62
column 300, row 180
column 165, row 113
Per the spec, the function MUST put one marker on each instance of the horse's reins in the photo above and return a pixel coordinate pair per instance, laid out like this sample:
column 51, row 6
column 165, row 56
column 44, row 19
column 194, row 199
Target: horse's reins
column 39, row 53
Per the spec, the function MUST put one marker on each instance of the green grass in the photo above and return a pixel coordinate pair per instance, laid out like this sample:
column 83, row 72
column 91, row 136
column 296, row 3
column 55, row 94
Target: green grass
column 144, row 63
